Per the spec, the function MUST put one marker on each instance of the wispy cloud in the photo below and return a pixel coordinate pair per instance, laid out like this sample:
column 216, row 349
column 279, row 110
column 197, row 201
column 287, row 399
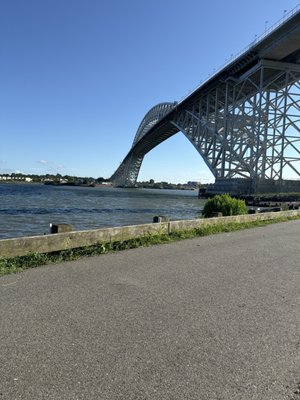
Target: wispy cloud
column 51, row 166
column 9, row 171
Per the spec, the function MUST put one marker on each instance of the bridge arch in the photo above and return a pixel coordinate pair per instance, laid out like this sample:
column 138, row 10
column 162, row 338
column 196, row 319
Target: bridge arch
column 150, row 119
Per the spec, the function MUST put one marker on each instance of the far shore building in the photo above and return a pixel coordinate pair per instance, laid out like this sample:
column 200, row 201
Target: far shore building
column 15, row 178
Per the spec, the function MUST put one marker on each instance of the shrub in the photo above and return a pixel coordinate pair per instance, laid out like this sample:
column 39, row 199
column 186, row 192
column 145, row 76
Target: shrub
column 225, row 204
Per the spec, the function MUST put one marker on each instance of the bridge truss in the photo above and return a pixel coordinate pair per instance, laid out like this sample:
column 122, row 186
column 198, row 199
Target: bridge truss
column 248, row 127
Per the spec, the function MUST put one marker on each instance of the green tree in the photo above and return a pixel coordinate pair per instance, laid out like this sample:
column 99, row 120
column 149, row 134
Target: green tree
column 225, row 204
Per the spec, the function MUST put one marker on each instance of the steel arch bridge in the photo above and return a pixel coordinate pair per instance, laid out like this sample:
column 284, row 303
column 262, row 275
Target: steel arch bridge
column 244, row 120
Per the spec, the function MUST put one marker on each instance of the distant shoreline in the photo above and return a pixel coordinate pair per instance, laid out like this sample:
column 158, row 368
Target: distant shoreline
column 51, row 183
column 20, row 183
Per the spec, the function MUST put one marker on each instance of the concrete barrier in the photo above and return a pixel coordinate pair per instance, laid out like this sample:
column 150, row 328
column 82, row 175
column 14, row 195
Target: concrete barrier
column 69, row 240
column 10, row 248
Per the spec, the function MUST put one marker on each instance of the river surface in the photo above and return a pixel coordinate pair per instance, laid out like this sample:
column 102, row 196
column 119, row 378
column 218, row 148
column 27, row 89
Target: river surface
column 29, row 209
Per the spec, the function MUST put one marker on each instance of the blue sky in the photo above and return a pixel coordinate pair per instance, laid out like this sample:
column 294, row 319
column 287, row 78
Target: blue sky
column 77, row 77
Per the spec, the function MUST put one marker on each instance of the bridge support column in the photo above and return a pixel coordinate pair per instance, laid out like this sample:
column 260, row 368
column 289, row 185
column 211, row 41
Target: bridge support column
column 127, row 173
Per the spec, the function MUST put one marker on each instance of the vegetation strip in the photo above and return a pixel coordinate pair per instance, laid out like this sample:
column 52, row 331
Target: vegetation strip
column 32, row 260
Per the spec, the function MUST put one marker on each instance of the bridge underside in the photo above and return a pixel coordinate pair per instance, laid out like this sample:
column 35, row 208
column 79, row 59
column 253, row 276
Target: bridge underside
column 245, row 127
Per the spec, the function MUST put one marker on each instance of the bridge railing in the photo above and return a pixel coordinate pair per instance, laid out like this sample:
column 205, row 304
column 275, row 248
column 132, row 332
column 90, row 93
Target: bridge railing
column 287, row 15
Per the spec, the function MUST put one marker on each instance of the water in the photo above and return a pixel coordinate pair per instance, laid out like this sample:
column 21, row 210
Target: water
column 28, row 209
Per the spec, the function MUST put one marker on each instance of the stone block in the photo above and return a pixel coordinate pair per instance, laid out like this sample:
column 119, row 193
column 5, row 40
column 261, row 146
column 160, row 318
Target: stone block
column 160, row 218
column 216, row 214
column 59, row 228
column 253, row 211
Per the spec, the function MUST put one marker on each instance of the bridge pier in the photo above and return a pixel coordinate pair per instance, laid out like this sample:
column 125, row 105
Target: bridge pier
column 238, row 186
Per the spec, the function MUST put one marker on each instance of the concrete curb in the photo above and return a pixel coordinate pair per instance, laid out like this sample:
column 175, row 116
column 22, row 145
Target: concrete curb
column 10, row 248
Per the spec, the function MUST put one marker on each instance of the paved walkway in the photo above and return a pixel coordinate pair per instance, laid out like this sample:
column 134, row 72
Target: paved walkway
column 209, row 318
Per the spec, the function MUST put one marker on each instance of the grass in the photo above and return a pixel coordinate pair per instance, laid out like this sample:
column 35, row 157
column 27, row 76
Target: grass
column 32, row 260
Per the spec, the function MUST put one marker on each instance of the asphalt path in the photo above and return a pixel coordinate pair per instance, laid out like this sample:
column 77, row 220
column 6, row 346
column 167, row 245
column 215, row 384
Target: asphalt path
column 212, row 318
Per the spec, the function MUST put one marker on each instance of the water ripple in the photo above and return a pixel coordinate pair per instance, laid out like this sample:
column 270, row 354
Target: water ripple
column 28, row 209
column 45, row 211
